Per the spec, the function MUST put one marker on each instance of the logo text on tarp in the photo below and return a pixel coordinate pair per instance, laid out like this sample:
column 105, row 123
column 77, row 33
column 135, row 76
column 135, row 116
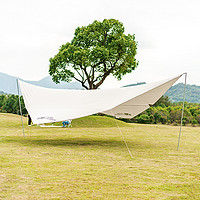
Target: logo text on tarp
column 127, row 114
column 47, row 117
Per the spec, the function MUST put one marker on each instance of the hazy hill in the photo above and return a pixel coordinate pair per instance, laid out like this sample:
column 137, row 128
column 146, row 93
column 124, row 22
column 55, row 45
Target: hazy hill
column 176, row 92
column 1, row 92
column 192, row 95
column 8, row 84
column 48, row 83
column 135, row 84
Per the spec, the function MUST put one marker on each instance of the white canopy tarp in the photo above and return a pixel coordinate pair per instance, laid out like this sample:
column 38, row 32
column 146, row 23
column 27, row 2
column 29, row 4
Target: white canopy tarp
column 46, row 105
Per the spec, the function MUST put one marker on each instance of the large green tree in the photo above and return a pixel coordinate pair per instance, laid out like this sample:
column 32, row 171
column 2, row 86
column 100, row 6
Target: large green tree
column 96, row 51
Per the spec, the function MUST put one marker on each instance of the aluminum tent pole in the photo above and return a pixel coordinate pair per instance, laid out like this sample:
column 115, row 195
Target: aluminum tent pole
column 20, row 107
column 182, row 113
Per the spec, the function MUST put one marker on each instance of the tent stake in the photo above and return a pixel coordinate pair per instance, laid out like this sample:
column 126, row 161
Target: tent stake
column 182, row 113
column 20, row 108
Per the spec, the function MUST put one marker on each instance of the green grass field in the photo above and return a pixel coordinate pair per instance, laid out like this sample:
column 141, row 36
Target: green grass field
column 90, row 161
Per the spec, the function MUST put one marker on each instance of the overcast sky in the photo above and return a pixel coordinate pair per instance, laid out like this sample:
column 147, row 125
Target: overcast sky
column 167, row 32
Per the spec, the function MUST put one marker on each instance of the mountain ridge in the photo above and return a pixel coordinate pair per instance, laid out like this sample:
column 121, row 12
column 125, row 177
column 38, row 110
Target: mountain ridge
column 192, row 93
column 8, row 84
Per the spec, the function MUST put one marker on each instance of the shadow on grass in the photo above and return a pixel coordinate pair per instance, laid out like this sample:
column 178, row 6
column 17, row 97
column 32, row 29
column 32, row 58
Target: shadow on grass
column 80, row 142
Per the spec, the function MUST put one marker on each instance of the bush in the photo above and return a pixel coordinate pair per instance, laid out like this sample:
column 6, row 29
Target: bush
column 10, row 104
column 194, row 122
column 198, row 118
column 143, row 119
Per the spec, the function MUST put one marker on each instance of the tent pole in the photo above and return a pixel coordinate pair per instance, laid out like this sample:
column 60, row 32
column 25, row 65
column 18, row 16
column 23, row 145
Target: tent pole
column 182, row 113
column 20, row 108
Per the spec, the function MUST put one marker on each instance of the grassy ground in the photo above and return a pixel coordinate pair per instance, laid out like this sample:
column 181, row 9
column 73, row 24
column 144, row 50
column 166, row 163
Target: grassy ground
column 90, row 161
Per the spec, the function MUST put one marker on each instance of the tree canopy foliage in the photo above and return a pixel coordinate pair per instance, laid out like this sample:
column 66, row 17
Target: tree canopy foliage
column 166, row 112
column 9, row 103
column 96, row 51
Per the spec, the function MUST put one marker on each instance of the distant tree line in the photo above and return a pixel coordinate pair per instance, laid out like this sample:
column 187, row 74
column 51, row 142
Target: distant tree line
column 165, row 112
column 9, row 103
